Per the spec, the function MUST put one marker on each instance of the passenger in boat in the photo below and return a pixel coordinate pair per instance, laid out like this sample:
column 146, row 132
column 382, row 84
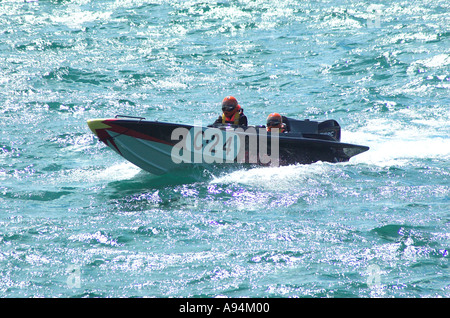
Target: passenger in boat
column 275, row 120
column 232, row 113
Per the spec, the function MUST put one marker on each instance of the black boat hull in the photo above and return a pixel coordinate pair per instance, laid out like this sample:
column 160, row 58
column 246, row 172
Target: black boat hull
column 159, row 147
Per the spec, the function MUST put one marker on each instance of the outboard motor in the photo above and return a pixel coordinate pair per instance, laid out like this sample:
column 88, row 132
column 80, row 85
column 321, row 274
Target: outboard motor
column 327, row 130
column 330, row 128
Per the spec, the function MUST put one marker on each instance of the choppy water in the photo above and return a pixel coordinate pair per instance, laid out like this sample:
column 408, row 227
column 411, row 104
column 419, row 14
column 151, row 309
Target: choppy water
column 76, row 220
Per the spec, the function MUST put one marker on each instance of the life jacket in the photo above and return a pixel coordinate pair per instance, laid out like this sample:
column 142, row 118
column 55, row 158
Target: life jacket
column 233, row 119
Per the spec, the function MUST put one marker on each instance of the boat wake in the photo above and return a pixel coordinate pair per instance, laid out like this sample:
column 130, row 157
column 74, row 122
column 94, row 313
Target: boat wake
column 394, row 144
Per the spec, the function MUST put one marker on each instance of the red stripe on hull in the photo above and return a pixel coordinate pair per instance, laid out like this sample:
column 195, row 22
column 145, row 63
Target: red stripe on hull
column 103, row 135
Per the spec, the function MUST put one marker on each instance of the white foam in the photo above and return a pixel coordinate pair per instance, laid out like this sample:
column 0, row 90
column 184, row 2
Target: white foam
column 120, row 171
column 394, row 143
column 276, row 178
column 436, row 61
column 400, row 152
column 77, row 17
column 116, row 172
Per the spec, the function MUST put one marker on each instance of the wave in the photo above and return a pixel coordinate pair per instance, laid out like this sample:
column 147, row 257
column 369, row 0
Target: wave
column 397, row 142
column 273, row 177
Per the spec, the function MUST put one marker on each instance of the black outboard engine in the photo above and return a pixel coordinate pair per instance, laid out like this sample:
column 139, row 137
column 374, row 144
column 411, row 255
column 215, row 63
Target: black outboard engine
column 327, row 130
column 330, row 128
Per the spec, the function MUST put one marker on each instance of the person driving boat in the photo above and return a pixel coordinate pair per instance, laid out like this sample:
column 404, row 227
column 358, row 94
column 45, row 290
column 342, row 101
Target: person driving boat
column 232, row 113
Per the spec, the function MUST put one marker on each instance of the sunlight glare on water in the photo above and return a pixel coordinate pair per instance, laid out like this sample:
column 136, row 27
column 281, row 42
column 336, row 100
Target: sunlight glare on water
column 377, row 226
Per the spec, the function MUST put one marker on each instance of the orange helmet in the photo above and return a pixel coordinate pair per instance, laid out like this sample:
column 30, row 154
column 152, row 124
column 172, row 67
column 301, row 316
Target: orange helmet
column 274, row 120
column 229, row 105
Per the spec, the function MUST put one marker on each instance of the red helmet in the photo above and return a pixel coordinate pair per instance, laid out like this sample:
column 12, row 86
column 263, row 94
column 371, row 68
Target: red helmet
column 274, row 120
column 229, row 104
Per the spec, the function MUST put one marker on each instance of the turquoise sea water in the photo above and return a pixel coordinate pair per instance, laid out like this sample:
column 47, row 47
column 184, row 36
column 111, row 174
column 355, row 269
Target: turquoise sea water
column 76, row 220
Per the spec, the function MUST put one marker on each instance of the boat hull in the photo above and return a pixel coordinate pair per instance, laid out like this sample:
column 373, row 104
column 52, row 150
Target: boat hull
column 159, row 147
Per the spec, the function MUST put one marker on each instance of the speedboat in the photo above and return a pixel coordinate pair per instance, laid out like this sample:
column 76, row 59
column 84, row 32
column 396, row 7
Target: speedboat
column 161, row 147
